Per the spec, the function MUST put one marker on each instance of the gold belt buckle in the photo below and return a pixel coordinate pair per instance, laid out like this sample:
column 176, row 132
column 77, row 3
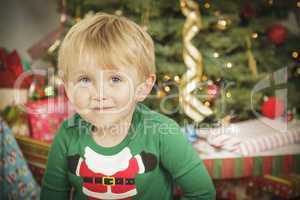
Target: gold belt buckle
column 111, row 180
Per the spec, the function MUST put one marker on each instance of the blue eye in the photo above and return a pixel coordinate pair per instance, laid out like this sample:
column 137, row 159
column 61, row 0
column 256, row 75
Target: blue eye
column 84, row 80
column 115, row 79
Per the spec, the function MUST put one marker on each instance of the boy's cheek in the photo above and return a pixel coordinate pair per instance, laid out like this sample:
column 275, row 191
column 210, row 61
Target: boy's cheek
column 81, row 98
column 124, row 97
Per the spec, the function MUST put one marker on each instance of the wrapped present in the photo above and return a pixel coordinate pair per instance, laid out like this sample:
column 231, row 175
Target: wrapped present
column 46, row 115
column 35, row 153
column 284, row 186
column 241, row 138
column 16, row 179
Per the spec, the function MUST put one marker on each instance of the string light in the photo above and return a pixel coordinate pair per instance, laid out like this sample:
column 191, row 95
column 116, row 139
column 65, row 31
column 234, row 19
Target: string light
column 228, row 94
column 207, row 104
column 270, row 2
column 176, row 78
column 295, row 54
column 216, row 55
column 229, row 65
column 221, row 24
column 167, row 88
column 254, row 35
column 207, row 5
column 166, row 77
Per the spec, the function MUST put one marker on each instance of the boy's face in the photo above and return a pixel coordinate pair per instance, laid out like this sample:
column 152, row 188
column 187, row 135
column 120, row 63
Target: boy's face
column 104, row 97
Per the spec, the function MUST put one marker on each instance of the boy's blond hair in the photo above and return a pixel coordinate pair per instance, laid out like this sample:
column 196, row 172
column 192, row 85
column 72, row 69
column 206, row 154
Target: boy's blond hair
column 107, row 41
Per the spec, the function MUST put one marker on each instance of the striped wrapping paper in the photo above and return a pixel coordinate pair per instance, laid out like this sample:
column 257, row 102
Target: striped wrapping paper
column 242, row 167
column 264, row 143
column 253, row 136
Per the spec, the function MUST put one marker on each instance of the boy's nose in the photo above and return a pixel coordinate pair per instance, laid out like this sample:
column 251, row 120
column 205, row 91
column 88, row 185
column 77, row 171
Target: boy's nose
column 102, row 92
column 98, row 98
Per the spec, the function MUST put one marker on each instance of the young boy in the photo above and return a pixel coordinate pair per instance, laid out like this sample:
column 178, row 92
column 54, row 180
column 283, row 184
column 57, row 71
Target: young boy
column 115, row 147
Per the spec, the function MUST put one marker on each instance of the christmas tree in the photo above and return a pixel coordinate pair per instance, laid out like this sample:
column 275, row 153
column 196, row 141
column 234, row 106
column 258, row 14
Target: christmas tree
column 242, row 43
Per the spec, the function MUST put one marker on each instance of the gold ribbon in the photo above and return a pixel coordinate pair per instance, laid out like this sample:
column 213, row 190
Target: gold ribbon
column 192, row 106
column 251, row 59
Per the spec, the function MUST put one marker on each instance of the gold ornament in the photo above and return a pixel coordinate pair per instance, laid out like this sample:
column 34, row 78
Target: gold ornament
column 192, row 107
column 251, row 59
column 160, row 94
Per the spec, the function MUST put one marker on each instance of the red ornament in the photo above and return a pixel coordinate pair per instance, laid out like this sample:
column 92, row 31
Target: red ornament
column 212, row 90
column 272, row 108
column 277, row 34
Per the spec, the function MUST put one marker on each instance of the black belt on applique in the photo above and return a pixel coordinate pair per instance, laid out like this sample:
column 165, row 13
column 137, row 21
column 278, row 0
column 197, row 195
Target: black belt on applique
column 109, row 180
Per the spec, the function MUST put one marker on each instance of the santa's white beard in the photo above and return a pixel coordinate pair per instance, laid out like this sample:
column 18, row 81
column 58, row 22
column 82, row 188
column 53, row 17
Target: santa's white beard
column 107, row 165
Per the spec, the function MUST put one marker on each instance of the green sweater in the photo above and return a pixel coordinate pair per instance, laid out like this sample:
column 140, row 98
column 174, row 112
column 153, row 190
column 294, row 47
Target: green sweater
column 153, row 157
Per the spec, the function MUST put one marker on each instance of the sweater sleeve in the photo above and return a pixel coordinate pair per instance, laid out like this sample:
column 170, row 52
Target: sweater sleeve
column 184, row 164
column 55, row 183
column 196, row 184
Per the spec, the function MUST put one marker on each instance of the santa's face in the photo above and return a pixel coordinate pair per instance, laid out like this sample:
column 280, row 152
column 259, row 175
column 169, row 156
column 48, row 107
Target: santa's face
column 101, row 96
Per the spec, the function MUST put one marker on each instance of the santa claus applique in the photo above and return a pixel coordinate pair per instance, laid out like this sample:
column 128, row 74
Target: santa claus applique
column 110, row 177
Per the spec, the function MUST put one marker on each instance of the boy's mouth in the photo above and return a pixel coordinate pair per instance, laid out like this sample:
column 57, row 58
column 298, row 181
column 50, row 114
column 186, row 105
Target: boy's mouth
column 102, row 108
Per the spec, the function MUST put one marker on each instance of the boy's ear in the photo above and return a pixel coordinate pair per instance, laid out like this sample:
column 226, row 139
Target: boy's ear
column 145, row 88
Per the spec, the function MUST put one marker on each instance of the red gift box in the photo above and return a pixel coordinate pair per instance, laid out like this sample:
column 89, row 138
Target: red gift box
column 45, row 116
